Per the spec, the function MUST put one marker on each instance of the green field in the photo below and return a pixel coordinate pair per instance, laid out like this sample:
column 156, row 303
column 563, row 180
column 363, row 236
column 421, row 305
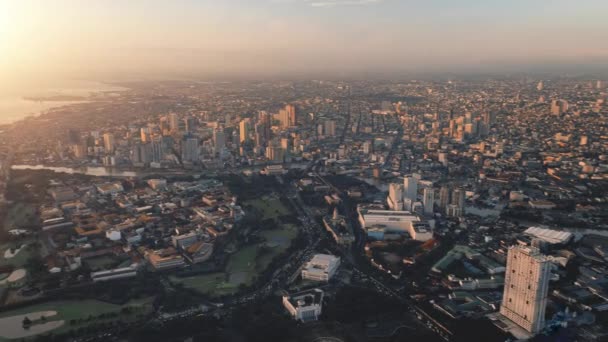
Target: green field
column 242, row 266
column 20, row 215
column 20, row 259
column 271, row 207
column 73, row 311
column 212, row 284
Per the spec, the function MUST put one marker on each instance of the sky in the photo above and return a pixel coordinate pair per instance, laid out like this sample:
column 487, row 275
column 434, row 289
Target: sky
column 42, row 39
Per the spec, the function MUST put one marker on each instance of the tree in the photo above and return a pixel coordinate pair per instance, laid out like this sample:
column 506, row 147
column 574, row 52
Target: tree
column 26, row 322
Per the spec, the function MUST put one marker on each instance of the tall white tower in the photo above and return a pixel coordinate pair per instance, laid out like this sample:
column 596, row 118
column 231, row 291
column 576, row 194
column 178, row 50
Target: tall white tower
column 526, row 285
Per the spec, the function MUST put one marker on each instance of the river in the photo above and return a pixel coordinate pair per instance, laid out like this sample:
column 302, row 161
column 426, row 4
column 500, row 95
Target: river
column 98, row 171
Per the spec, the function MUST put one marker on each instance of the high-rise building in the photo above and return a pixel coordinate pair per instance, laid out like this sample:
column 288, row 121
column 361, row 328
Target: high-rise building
column 458, row 199
column 219, row 140
column 244, row 127
column 144, row 134
column 109, row 143
column 275, row 153
column 292, row 117
column 444, row 197
column 330, row 128
column 190, row 149
column 190, row 124
column 141, row 154
column 559, row 107
column 395, row 196
column 288, row 116
column 428, row 200
column 526, row 285
column 173, row 123
column 540, row 86
column 410, row 189
column 157, row 150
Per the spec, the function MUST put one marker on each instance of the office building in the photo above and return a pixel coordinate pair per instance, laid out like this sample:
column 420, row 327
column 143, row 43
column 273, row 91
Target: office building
column 244, row 127
column 395, row 196
column 380, row 222
column 330, row 128
column 219, row 140
column 559, row 107
column 526, row 287
column 410, row 189
column 109, row 143
column 304, row 306
column 428, row 200
column 458, row 199
column 173, row 123
column 190, row 149
column 321, row 267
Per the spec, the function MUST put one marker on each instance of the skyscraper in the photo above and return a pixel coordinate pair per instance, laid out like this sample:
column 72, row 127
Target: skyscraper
column 190, row 124
column 395, row 196
column 157, row 149
column 526, row 286
column 428, row 200
column 173, row 123
column 109, row 142
column 330, row 128
column 244, row 128
column 219, row 140
column 444, row 197
column 288, row 116
column 410, row 189
column 292, row 118
column 458, row 199
column 190, row 150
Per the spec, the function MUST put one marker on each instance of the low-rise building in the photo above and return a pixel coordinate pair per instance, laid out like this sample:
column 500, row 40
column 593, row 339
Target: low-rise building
column 321, row 267
column 304, row 306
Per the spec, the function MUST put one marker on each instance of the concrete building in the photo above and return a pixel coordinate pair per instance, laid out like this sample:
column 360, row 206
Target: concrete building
column 321, row 267
column 428, row 200
column 304, row 306
column 526, row 287
column 395, row 196
column 410, row 189
column 244, row 128
column 117, row 273
column 109, row 143
column 388, row 221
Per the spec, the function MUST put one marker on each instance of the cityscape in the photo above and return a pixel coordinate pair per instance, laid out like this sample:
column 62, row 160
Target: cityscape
column 428, row 205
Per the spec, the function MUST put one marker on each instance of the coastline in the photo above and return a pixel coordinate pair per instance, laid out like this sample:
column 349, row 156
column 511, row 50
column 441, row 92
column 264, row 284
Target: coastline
column 37, row 102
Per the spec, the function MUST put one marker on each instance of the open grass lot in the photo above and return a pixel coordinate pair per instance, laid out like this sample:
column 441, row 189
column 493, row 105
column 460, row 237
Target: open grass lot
column 76, row 313
column 212, row 284
column 101, row 262
column 20, row 259
column 271, row 207
column 20, row 215
column 243, row 265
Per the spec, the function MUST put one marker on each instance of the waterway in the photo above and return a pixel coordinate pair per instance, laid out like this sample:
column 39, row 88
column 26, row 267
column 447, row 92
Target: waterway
column 97, row 171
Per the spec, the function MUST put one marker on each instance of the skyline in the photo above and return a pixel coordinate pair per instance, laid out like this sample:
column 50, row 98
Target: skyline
column 307, row 37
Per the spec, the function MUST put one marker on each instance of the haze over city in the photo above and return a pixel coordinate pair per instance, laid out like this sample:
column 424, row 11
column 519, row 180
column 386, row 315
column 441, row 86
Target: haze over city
column 40, row 40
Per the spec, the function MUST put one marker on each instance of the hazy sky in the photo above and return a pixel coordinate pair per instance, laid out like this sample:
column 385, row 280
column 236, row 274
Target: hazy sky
column 84, row 37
